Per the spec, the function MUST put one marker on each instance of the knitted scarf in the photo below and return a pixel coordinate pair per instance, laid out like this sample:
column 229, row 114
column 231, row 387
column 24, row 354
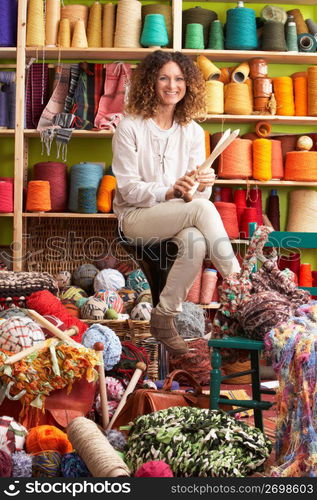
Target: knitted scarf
column 37, row 93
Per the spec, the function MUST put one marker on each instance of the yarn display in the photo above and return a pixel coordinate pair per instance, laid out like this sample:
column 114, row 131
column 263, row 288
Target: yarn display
column 5, row 464
column 21, row 464
column 112, row 345
column 236, row 449
column 109, row 279
column 45, row 438
column 18, row 333
column 142, row 311
column 73, row 293
column 112, row 299
column 190, row 323
column 94, row 308
column 73, row 466
column 128, row 297
column 154, row 468
column 84, row 275
column 137, row 281
column 63, row 279
column 12, row 435
column 46, row 464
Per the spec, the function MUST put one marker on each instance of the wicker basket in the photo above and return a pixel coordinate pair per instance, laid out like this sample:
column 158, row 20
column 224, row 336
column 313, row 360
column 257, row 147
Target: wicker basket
column 137, row 332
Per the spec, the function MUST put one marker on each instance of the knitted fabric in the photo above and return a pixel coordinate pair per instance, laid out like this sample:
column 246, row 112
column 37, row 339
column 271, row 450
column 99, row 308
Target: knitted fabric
column 112, row 345
column 124, row 369
column 196, row 362
column 47, row 437
column 5, row 464
column 12, row 435
column 36, row 93
column 18, row 333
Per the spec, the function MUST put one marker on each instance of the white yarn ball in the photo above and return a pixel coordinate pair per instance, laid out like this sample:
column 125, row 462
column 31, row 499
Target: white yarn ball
column 108, row 279
column 142, row 311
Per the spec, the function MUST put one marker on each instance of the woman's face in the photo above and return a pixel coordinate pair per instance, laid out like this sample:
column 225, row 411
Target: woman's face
column 170, row 85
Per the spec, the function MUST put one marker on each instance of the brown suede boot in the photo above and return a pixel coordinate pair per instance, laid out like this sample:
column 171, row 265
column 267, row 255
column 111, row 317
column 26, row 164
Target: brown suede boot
column 162, row 328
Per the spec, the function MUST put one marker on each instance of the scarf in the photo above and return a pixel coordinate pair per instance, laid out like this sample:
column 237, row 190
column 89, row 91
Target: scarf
column 37, row 93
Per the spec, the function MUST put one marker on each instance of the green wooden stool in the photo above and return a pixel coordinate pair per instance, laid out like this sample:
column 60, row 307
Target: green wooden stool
column 216, row 378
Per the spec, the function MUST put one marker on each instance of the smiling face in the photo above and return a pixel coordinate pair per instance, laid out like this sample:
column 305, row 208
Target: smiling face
column 170, row 85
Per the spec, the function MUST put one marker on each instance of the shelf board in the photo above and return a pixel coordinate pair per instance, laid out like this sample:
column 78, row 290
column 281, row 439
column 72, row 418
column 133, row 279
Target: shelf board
column 95, row 134
column 104, row 53
column 286, row 120
column 264, row 2
column 5, row 214
column 7, row 132
column 8, row 52
column 277, row 182
column 243, row 55
column 70, row 215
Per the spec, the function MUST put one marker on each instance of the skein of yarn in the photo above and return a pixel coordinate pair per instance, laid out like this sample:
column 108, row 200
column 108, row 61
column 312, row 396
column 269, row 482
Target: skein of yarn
column 108, row 24
column 128, row 24
column 302, row 211
column 94, row 448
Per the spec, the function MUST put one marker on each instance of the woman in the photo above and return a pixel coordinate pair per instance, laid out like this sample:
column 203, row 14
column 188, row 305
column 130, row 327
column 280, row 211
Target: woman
column 155, row 149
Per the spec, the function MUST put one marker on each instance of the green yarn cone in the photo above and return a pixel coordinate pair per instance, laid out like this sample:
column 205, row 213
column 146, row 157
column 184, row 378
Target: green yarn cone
column 216, row 41
column 194, row 36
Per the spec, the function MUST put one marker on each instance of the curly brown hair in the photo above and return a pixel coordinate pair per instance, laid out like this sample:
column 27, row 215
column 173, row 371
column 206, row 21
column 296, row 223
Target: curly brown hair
column 143, row 100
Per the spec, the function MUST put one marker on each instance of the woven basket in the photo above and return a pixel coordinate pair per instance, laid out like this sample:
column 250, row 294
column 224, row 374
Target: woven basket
column 137, row 332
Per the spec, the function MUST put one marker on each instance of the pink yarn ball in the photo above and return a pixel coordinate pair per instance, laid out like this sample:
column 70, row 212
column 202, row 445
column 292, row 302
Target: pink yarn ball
column 154, row 468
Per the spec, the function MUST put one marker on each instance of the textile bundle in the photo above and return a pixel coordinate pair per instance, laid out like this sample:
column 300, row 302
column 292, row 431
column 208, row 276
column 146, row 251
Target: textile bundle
column 15, row 287
column 7, row 99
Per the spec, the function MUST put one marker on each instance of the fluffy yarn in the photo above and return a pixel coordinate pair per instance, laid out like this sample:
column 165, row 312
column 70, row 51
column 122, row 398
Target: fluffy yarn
column 191, row 321
column 115, row 389
column 5, row 464
column 84, row 276
column 142, row 311
column 117, row 439
column 21, row 464
column 71, row 307
column 108, row 279
column 73, row 466
column 112, row 345
column 94, row 308
column 154, row 468
column 12, row 434
column 47, row 437
column 111, row 298
column 137, row 281
column 63, row 279
column 46, row 464
column 17, row 333
column 72, row 293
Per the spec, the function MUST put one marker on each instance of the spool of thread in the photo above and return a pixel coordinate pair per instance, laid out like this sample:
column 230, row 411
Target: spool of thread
column 258, row 68
column 225, row 75
column 208, row 69
column 226, row 194
column 263, row 129
column 302, row 211
column 249, row 215
column 301, row 95
column 301, row 166
column 79, row 39
column 262, row 158
column 200, row 16
column 207, row 143
column 74, row 13
column 128, row 24
column 277, row 160
column 236, row 161
column 106, row 193
column 56, row 174
column 312, row 90
column 83, row 175
column 273, row 209
column 208, row 285
column 240, row 201
column 241, row 29
column 108, row 24
column 254, row 200
column 64, row 33
column 216, row 38
column 154, row 32
column 291, row 37
column 52, row 18
column 38, row 196
column 8, row 28
column 228, row 214
column 305, row 275
column 274, row 13
column 94, row 25
column 237, row 99
column 260, row 104
column 87, row 200
column 194, row 36
column 301, row 26
column 306, row 43
column 262, row 87
column 312, row 26
column 166, row 11
column 283, row 91
column 193, row 294
column 35, row 28
column 273, row 37
column 240, row 73
column 6, row 197
column 214, row 97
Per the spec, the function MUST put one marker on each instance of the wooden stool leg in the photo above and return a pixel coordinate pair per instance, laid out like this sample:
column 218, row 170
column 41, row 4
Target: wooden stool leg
column 215, row 378
column 256, row 394
column 164, row 368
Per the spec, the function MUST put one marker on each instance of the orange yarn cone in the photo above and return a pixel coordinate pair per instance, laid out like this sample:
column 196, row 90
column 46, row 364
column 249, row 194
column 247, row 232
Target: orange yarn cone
column 106, row 193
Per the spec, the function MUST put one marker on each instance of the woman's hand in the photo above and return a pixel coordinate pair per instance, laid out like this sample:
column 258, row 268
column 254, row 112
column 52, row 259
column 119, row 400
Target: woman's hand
column 206, row 179
column 181, row 186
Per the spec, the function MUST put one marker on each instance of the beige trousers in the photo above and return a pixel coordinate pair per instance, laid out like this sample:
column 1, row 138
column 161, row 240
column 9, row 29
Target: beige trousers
column 197, row 229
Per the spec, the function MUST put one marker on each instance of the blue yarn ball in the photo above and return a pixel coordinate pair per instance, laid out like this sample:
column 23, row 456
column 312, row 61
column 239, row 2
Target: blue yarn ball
column 137, row 281
column 74, row 466
column 112, row 345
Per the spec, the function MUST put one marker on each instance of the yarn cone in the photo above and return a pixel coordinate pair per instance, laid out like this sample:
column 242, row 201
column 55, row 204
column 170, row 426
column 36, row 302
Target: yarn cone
column 64, row 33
column 35, row 29
column 108, row 24
column 79, row 40
column 94, row 25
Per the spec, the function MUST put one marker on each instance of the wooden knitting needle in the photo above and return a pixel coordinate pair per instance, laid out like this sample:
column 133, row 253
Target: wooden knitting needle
column 53, row 329
column 139, row 369
column 99, row 348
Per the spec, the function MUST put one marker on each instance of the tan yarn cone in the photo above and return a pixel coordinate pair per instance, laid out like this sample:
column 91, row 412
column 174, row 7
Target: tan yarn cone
column 108, row 24
column 94, row 25
column 64, row 34
column 35, row 29
column 79, row 40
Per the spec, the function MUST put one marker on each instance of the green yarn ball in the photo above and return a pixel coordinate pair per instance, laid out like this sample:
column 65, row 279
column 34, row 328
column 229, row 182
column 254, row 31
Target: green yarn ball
column 111, row 314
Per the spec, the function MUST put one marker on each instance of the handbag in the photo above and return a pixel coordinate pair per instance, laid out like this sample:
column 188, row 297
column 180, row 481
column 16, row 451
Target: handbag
column 144, row 401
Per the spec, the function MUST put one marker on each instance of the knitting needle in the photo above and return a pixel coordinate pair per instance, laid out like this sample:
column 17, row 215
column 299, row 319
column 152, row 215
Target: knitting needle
column 139, row 369
column 56, row 331
column 99, row 348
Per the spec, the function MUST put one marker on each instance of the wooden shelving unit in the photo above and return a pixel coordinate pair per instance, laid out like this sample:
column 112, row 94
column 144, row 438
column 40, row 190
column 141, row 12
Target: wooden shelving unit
column 277, row 182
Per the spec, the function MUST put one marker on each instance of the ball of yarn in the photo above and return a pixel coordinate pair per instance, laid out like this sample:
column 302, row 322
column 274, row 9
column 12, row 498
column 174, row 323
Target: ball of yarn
column 73, row 466
column 21, row 464
column 71, row 307
column 137, row 281
column 63, row 279
column 72, row 293
column 46, row 464
column 5, row 464
column 112, row 406
column 80, row 302
column 149, row 384
column 117, row 439
column 108, row 279
column 142, row 311
column 112, row 345
column 84, row 276
column 17, row 333
column 154, row 468
column 47, row 437
column 129, row 297
column 111, row 298
column 115, row 389
column 190, row 322
column 12, row 311
column 112, row 314
column 12, row 434
column 144, row 296
column 94, row 308
column 304, row 142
